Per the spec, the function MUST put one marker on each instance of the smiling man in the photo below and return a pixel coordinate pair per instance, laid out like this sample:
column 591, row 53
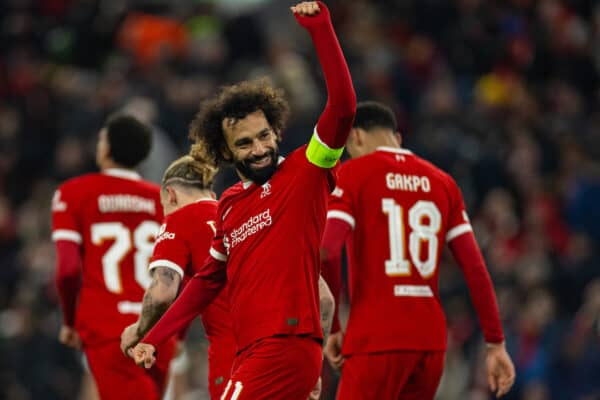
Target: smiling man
column 269, row 227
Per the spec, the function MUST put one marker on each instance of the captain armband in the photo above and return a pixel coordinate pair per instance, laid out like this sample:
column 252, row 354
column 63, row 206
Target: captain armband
column 321, row 155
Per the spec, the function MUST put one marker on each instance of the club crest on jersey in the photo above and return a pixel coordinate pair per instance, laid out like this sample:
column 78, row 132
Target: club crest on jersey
column 266, row 190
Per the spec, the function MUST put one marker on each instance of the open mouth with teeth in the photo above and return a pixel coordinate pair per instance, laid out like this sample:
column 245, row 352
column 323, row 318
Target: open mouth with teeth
column 264, row 161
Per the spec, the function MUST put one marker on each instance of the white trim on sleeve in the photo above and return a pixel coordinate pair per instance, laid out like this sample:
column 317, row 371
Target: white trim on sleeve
column 457, row 231
column 217, row 256
column 166, row 264
column 344, row 216
column 316, row 135
column 66, row 234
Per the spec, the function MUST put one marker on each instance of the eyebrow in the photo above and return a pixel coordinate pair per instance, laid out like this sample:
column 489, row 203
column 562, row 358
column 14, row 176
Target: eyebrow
column 246, row 140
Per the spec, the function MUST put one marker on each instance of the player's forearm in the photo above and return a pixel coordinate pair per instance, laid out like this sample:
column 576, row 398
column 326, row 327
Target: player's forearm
column 326, row 308
column 337, row 117
column 467, row 253
column 68, row 278
column 158, row 297
column 202, row 289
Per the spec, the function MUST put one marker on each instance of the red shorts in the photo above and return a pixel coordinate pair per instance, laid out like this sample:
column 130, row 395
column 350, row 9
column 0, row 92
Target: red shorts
column 117, row 377
column 406, row 375
column 220, row 362
column 280, row 367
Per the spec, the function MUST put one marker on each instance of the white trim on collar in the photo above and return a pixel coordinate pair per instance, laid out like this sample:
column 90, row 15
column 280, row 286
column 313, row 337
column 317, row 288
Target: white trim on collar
column 398, row 150
column 122, row 173
column 205, row 199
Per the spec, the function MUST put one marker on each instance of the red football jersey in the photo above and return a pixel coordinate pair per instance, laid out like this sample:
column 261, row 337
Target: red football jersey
column 114, row 216
column 402, row 210
column 182, row 245
column 269, row 235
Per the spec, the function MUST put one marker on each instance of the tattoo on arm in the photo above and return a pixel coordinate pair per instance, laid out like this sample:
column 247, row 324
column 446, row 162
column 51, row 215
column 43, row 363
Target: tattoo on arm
column 326, row 308
column 163, row 279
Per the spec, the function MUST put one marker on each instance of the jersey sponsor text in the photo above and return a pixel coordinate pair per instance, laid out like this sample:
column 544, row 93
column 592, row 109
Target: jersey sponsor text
column 254, row 224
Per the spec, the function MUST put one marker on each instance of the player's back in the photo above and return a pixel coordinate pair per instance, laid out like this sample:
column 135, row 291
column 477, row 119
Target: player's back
column 183, row 245
column 196, row 224
column 402, row 207
column 117, row 216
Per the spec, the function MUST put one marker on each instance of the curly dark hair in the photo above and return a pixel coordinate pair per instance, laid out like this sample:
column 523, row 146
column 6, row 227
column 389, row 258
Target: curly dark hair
column 237, row 101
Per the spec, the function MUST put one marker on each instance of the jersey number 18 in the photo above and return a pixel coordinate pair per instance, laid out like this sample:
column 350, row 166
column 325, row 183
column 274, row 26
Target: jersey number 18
column 425, row 221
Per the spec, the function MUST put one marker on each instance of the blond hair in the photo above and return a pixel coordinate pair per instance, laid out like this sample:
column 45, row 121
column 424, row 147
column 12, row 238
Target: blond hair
column 196, row 169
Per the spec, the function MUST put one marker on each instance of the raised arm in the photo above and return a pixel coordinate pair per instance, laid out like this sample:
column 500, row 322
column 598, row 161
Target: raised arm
column 202, row 289
column 334, row 124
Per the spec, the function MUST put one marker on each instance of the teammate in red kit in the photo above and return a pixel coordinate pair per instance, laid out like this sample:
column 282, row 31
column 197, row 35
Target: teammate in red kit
column 269, row 227
column 396, row 211
column 104, row 225
column 181, row 247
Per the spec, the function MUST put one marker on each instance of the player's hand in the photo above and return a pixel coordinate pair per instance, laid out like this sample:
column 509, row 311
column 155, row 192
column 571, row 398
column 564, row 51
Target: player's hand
column 143, row 355
column 310, row 13
column 316, row 392
column 500, row 369
column 333, row 350
column 69, row 337
column 129, row 338
column 306, row 8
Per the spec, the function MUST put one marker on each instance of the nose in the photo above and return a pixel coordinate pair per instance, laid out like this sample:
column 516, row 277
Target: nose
column 258, row 148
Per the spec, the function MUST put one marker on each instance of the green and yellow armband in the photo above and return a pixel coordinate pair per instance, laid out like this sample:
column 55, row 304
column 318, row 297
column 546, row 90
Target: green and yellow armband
column 320, row 154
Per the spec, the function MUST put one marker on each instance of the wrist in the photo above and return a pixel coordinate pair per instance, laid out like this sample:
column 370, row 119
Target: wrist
column 492, row 346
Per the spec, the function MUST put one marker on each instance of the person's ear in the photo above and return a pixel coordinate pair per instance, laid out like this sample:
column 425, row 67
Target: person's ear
column 171, row 195
column 398, row 137
column 358, row 137
column 226, row 153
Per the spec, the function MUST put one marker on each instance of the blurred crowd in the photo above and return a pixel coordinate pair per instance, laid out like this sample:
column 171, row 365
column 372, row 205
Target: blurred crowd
column 502, row 94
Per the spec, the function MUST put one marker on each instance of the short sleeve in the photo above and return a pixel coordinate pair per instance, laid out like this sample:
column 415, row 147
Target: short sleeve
column 171, row 250
column 66, row 224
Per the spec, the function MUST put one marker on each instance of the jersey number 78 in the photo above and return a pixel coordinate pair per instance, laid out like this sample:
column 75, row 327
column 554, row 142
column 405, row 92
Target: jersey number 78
column 143, row 243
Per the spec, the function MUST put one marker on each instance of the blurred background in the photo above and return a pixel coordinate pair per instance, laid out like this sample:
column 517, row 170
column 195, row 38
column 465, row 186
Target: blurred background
column 502, row 94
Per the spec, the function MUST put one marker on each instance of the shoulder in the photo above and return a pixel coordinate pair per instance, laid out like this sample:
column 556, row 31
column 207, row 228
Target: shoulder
column 357, row 164
column 150, row 186
column 356, row 168
column 80, row 181
column 79, row 186
column 231, row 192
column 205, row 209
column 432, row 170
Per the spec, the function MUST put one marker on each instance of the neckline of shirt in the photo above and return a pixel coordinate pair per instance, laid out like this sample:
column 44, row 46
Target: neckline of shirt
column 398, row 150
column 122, row 173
